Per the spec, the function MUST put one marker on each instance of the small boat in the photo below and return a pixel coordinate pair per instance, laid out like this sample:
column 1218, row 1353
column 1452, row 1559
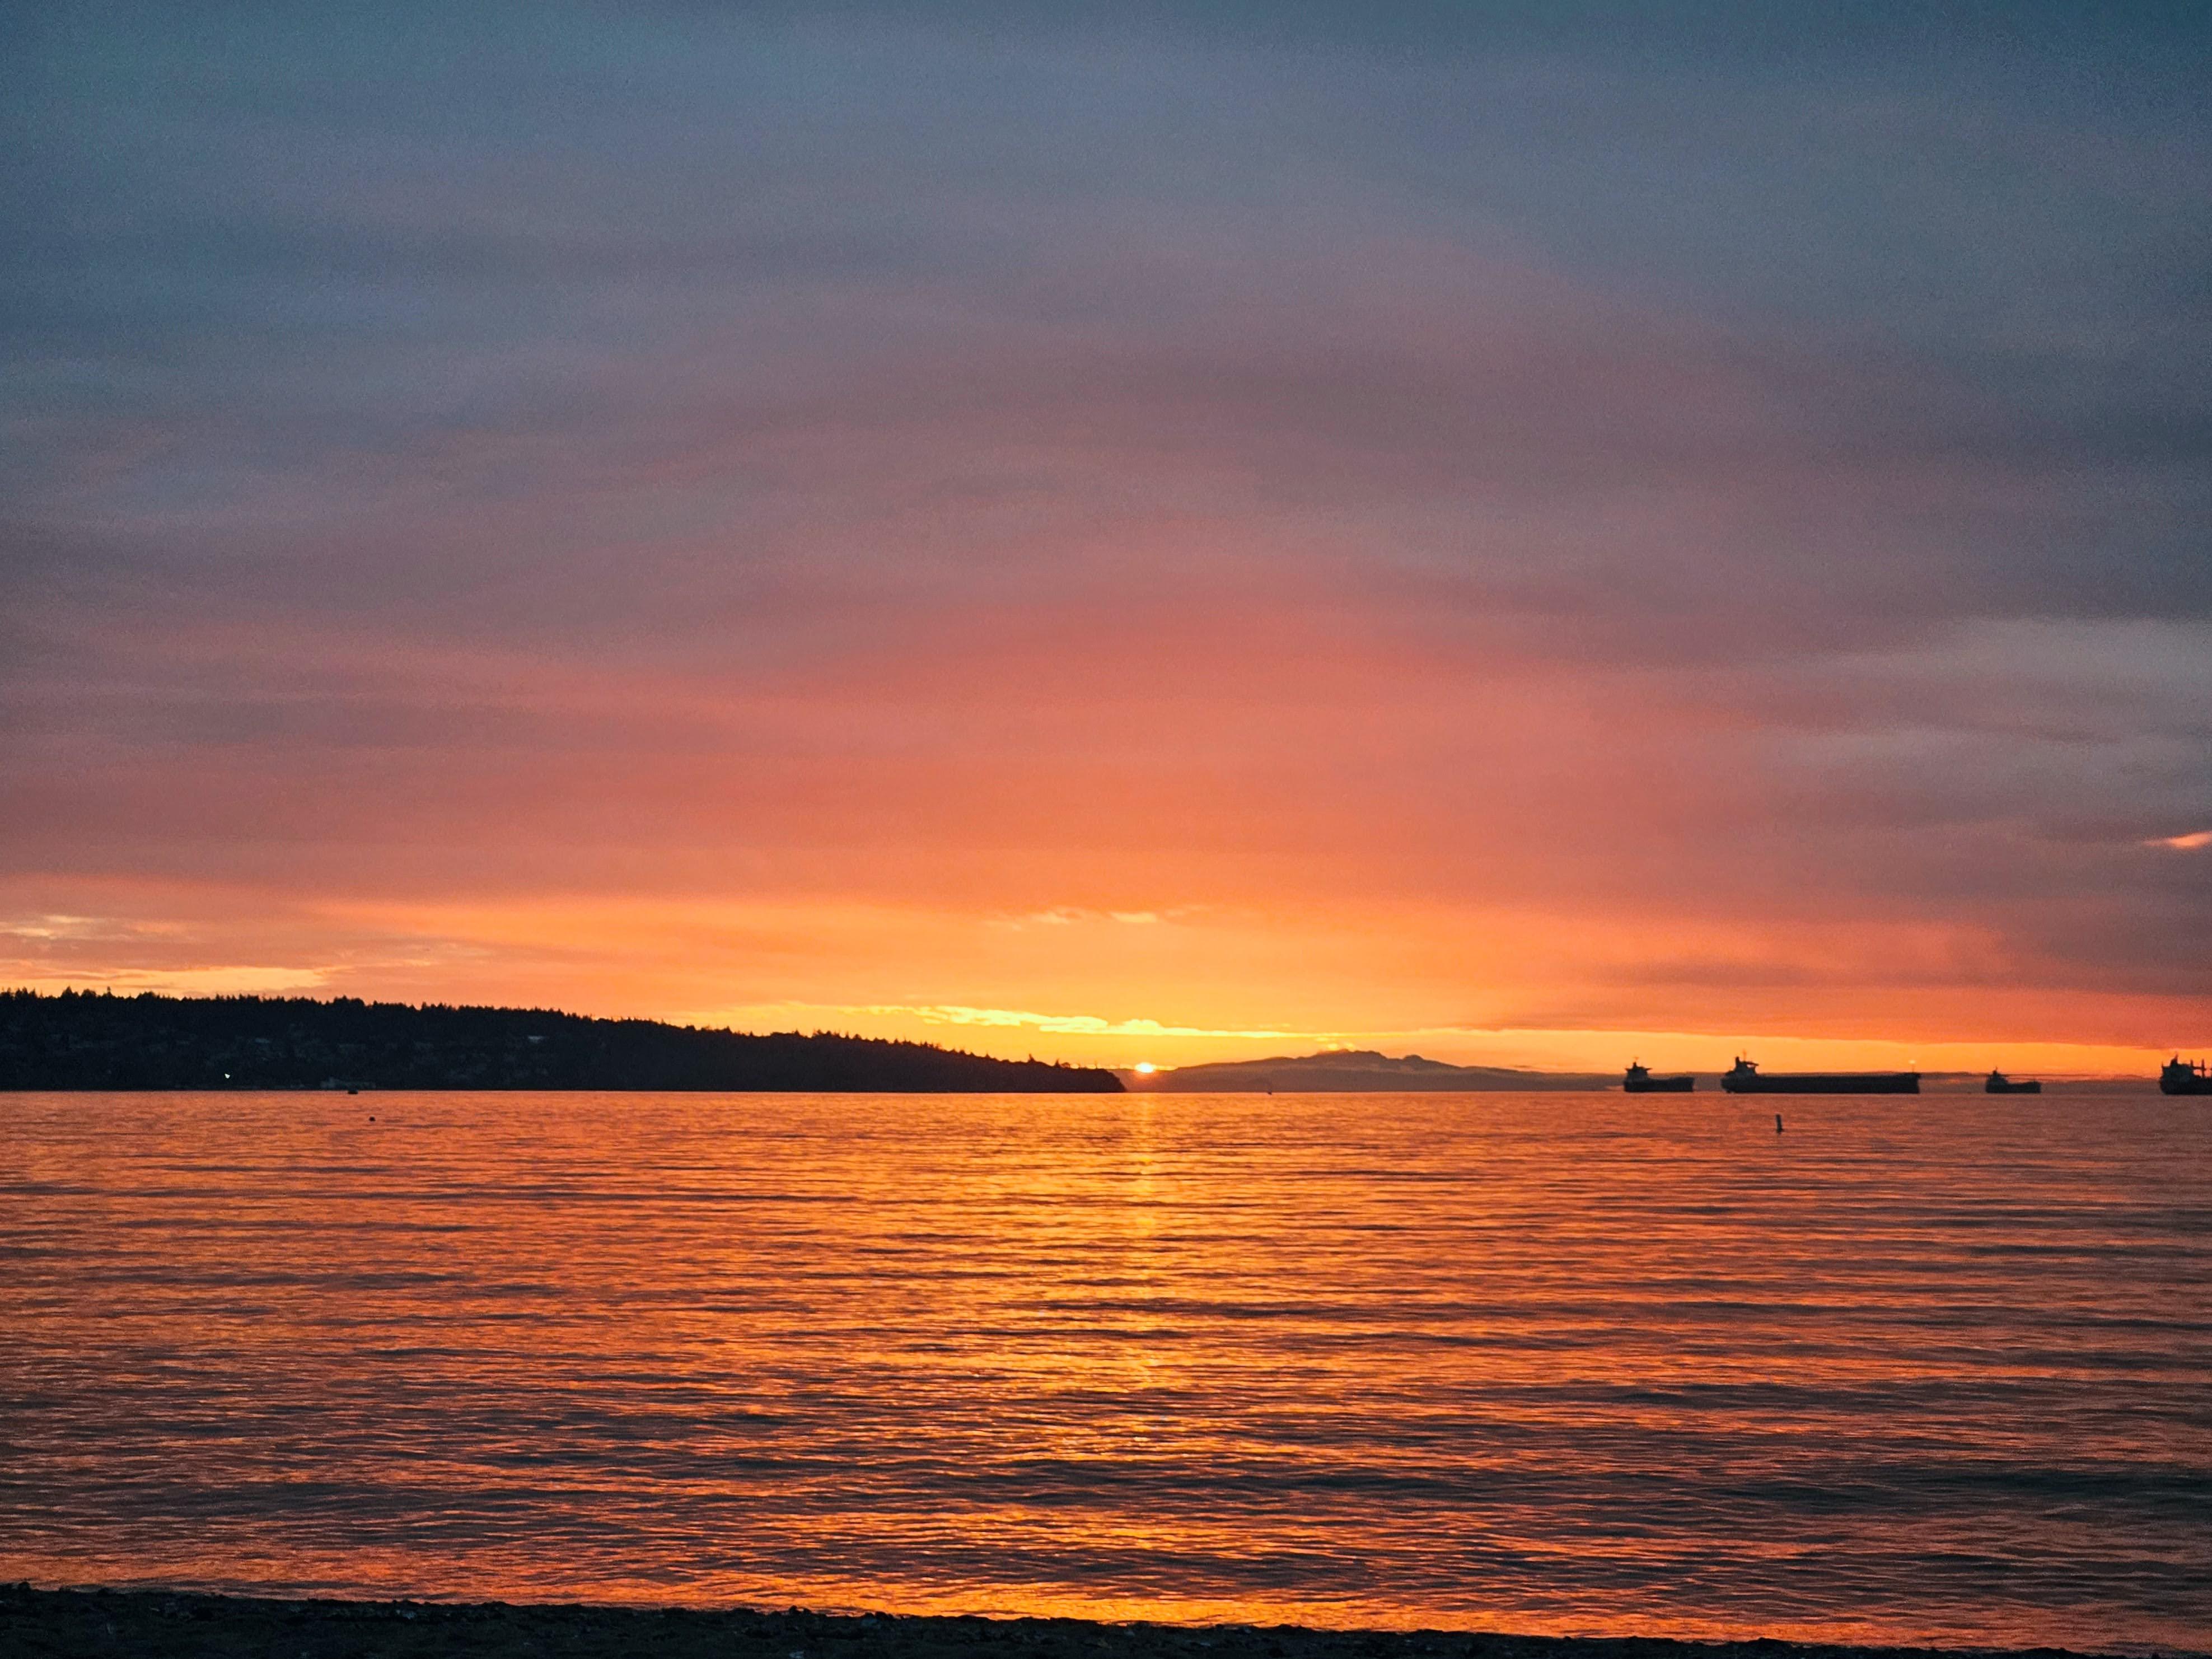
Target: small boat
column 1999, row 1084
column 1744, row 1077
column 2184, row 1076
column 1639, row 1081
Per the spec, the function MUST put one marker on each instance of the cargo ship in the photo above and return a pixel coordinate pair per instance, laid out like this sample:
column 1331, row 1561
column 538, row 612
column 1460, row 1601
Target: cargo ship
column 2184, row 1076
column 1639, row 1081
column 1999, row 1084
column 1744, row 1077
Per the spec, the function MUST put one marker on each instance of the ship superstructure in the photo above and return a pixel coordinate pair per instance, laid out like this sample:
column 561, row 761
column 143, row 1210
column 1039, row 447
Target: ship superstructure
column 1745, row 1078
column 2184, row 1076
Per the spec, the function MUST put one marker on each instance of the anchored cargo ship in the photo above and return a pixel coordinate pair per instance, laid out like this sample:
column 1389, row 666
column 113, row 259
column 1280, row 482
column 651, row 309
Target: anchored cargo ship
column 1999, row 1084
column 1744, row 1077
column 2184, row 1076
column 1639, row 1081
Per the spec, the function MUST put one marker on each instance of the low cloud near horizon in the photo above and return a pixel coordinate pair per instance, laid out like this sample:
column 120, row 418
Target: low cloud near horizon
column 1465, row 526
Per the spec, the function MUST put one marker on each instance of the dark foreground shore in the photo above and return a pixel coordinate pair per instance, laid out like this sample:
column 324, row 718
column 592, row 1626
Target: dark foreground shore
column 35, row 1623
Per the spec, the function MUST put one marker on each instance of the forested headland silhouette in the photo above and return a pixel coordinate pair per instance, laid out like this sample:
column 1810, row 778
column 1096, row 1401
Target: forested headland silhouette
column 96, row 1040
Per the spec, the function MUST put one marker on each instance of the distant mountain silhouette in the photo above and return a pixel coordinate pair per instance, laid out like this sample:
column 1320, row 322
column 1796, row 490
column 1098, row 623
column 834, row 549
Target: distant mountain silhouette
column 84, row 1039
column 1361, row 1069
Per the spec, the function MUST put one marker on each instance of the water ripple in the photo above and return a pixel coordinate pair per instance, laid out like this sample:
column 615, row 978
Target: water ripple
column 1922, row 1370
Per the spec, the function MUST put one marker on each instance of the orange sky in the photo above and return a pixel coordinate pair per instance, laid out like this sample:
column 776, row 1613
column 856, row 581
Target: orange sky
column 1161, row 553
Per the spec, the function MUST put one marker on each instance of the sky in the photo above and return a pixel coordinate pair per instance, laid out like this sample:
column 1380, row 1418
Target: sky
column 1523, row 534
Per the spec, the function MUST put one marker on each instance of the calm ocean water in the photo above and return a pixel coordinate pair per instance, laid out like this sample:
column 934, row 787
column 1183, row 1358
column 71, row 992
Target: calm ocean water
column 1917, row 1370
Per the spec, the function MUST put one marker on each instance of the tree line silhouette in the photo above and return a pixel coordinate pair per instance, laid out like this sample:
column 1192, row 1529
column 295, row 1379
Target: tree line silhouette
column 95, row 1040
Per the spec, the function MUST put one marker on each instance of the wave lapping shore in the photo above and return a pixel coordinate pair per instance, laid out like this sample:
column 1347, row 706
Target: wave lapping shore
column 49, row 1624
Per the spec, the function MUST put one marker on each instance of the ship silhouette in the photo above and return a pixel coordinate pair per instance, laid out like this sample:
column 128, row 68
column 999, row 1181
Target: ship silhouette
column 2184, row 1076
column 1999, row 1084
column 1639, row 1080
column 1745, row 1078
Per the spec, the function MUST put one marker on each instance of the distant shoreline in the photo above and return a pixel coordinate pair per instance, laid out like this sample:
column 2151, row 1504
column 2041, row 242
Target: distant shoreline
column 81, row 1040
column 47, row 1624
column 1943, row 1086
column 1365, row 1071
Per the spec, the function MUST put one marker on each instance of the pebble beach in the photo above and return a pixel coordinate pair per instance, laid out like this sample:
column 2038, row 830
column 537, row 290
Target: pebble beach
column 49, row 1624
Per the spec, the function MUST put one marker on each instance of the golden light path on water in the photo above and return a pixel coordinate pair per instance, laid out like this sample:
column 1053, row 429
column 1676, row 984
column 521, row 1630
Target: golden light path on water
column 1916, row 1369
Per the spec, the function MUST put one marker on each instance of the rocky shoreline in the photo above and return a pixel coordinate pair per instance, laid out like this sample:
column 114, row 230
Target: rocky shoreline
column 42, row 1624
